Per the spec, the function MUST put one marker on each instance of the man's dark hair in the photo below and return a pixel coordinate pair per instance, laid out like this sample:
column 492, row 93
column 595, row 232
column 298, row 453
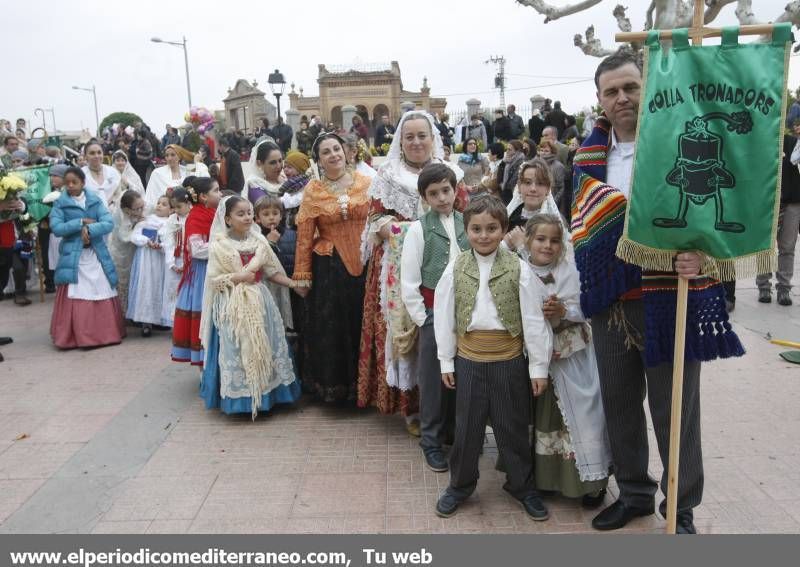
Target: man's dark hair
column 434, row 173
column 226, row 140
column 487, row 204
column 8, row 139
column 497, row 149
column 619, row 59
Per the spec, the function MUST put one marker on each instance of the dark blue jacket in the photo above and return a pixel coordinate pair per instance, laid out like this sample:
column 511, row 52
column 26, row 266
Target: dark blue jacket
column 285, row 250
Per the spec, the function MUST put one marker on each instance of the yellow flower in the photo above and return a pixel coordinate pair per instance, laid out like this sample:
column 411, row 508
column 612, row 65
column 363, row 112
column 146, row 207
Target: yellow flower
column 12, row 182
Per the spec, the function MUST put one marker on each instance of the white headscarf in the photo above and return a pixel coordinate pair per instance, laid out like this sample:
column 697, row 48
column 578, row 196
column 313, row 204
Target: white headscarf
column 129, row 180
column 395, row 186
column 253, row 175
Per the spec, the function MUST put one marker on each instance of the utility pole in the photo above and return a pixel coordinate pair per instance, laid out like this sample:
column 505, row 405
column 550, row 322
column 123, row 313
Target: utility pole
column 500, row 78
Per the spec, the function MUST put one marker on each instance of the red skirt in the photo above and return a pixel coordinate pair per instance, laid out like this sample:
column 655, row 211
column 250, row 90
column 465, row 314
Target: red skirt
column 373, row 390
column 81, row 323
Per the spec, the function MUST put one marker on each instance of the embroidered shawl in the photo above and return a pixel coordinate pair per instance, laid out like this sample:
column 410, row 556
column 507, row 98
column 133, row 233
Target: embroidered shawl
column 598, row 218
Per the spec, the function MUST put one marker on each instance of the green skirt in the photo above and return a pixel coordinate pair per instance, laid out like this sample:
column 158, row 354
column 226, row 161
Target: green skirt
column 553, row 461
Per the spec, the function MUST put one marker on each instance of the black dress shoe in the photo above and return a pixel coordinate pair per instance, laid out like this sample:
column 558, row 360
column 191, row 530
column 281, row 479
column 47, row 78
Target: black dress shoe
column 685, row 525
column 435, row 460
column 6, row 341
column 447, row 505
column 592, row 501
column 534, row 507
column 146, row 330
column 618, row 515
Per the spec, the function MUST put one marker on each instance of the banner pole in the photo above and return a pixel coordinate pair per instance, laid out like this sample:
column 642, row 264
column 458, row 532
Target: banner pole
column 677, row 404
column 39, row 267
column 696, row 33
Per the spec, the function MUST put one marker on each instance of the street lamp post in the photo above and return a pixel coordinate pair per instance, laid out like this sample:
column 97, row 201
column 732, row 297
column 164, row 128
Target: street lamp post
column 94, row 95
column 185, row 60
column 276, row 84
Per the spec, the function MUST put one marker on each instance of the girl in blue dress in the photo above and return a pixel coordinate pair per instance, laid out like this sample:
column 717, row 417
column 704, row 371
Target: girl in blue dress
column 247, row 363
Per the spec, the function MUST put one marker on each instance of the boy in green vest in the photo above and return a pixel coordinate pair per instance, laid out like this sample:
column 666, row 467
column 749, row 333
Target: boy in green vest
column 431, row 243
column 487, row 308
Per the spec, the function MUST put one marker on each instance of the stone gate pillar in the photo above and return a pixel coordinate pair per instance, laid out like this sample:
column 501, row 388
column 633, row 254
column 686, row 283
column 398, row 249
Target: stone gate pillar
column 293, row 120
column 348, row 111
column 473, row 107
column 407, row 106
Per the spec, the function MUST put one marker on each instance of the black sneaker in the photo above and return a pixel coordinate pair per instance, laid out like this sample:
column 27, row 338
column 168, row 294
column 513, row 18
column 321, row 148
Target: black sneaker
column 535, row 508
column 436, row 460
column 147, row 330
column 447, row 505
column 764, row 296
column 784, row 298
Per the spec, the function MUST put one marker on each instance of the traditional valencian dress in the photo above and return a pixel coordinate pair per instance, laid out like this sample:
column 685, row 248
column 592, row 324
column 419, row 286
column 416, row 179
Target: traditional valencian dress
column 386, row 381
column 122, row 251
column 172, row 247
column 186, row 345
column 108, row 187
column 129, row 181
column 146, row 292
column 329, row 227
column 87, row 311
column 160, row 180
column 571, row 451
column 255, row 186
column 247, row 363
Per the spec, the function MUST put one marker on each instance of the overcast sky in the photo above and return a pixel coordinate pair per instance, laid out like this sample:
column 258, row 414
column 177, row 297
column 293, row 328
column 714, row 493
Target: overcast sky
column 60, row 44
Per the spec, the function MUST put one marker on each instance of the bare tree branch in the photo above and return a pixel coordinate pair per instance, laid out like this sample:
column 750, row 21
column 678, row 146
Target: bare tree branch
column 623, row 21
column 744, row 13
column 592, row 46
column 791, row 14
column 648, row 22
column 661, row 14
column 713, row 8
column 553, row 12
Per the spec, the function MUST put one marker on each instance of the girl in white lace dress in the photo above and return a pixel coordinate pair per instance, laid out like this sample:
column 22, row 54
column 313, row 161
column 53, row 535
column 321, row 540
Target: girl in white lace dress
column 146, row 290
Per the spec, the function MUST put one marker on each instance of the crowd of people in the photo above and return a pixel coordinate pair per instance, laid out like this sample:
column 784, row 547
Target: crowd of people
column 451, row 292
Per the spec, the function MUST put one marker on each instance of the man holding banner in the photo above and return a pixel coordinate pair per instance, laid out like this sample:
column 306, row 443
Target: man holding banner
column 676, row 181
column 618, row 319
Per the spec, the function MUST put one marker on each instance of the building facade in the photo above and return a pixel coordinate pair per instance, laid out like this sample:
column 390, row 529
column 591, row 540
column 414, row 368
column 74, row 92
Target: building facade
column 245, row 106
column 375, row 90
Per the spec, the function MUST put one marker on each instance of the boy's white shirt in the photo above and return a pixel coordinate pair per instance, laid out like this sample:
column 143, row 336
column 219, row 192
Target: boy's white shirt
column 411, row 265
column 536, row 331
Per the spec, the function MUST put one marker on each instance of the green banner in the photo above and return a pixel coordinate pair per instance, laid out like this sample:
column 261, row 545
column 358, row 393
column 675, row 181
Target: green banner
column 707, row 166
column 38, row 180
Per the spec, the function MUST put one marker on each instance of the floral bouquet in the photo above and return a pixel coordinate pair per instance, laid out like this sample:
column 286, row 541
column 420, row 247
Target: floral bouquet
column 11, row 185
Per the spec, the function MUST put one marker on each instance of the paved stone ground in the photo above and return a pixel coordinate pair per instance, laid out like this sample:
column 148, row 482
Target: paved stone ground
column 116, row 440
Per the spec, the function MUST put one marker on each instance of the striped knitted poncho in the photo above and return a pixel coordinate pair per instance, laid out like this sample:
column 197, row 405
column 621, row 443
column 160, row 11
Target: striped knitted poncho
column 598, row 218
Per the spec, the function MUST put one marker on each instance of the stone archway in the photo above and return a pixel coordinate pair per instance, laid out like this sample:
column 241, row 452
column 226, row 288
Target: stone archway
column 362, row 111
column 379, row 111
column 336, row 116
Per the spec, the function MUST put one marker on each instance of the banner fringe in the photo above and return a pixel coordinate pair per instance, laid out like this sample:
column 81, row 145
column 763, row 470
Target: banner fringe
column 722, row 269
